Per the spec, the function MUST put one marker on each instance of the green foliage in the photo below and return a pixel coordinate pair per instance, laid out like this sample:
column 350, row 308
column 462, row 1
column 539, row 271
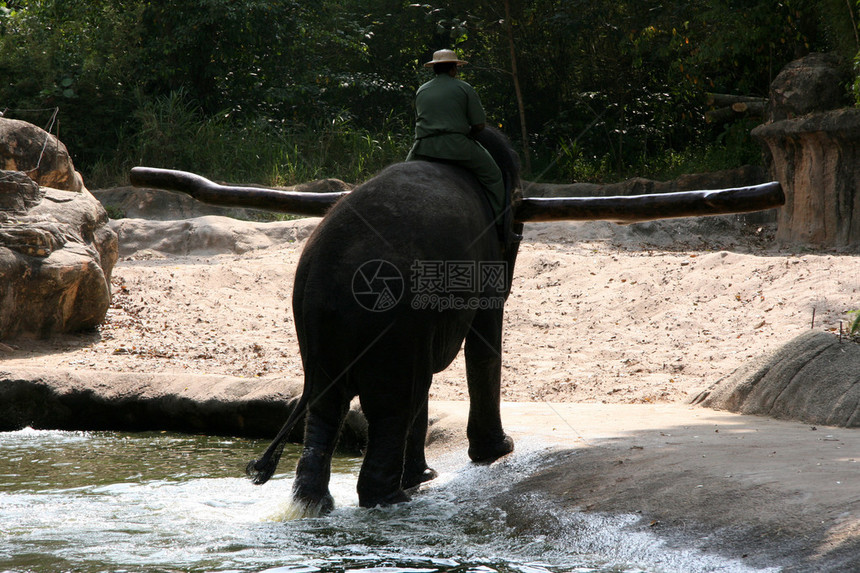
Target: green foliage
column 855, row 21
column 115, row 212
column 855, row 86
column 854, row 327
column 571, row 161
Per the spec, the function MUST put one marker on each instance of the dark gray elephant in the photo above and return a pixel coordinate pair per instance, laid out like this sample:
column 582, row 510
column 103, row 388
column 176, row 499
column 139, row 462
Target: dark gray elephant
column 399, row 273
column 395, row 278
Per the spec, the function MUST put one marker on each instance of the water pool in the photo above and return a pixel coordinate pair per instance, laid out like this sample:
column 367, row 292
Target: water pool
column 156, row 502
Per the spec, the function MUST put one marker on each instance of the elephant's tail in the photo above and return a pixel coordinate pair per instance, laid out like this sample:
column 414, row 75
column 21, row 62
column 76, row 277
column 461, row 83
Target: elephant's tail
column 264, row 468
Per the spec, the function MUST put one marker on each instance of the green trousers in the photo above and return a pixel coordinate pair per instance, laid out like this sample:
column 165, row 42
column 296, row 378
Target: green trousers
column 479, row 161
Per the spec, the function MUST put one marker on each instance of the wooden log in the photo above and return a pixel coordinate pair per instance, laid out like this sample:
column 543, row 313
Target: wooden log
column 727, row 100
column 638, row 208
column 623, row 209
column 206, row 191
column 735, row 111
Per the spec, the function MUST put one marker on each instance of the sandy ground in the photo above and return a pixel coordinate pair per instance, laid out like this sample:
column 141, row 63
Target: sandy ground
column 609, row 332
column 598, row 313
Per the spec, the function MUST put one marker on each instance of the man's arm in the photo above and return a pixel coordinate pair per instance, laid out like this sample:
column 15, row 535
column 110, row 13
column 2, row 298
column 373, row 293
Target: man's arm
column 475, row 114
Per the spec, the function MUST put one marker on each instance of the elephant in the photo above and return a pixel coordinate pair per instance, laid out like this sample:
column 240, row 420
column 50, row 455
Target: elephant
column 400, row 273
column 397, row 276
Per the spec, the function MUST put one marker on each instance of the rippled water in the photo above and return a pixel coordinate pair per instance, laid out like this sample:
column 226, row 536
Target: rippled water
column 92, row 502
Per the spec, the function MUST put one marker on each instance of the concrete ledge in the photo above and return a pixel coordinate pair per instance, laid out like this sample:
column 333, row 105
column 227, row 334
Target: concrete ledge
column 131, row 401
column 770, row 492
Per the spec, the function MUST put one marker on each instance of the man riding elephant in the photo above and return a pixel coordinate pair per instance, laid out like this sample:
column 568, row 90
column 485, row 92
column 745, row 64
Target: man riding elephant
column 448, row 116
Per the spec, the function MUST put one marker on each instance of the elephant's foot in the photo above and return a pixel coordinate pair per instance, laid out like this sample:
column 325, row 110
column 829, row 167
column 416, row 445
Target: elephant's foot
column 313, row 506
column 373, row 500
column 412, row 481
column 488, row 452
column 310, row 497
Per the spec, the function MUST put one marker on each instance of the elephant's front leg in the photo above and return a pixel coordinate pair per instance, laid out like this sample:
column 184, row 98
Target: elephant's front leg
column 483, row 351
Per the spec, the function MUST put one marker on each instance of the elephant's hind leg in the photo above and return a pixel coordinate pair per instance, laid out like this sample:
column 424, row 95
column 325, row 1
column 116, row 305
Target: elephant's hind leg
column 380, row 478
column 325, row 417
column 415, row 469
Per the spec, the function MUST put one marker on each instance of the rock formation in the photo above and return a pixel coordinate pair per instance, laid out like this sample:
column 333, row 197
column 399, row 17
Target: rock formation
column 815, row 378
column 44, row 158
column 134, row 401
column 56, row 250
column 815, row 154
column 205, row 236
column 817, row 160
column 811, row 84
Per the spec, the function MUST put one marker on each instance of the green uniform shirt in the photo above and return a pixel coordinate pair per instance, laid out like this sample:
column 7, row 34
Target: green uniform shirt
column 446, row 109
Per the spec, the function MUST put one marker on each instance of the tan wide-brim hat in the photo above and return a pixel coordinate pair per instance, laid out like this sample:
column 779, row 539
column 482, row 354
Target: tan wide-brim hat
column 444, row 57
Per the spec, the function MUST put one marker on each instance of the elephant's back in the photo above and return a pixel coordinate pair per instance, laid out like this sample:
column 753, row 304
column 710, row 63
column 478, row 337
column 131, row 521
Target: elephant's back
column 410, row 210
column 364, row 264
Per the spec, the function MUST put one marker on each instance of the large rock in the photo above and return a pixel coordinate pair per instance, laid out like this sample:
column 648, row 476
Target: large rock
column 817, row 159
column 18, row 193
column 815, row 378
column 206, row 236
column 56, row 249
column 30, row 149
column 158, row 205
column 812, row 84
column 56, row 257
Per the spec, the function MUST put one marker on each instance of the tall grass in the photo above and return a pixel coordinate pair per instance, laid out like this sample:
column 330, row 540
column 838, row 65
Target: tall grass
column 171, row 132
column 571, row 162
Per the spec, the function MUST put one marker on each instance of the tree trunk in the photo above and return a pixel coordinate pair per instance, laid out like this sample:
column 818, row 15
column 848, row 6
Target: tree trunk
column 817, row 160
column 736, row 110
column 523, row 131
